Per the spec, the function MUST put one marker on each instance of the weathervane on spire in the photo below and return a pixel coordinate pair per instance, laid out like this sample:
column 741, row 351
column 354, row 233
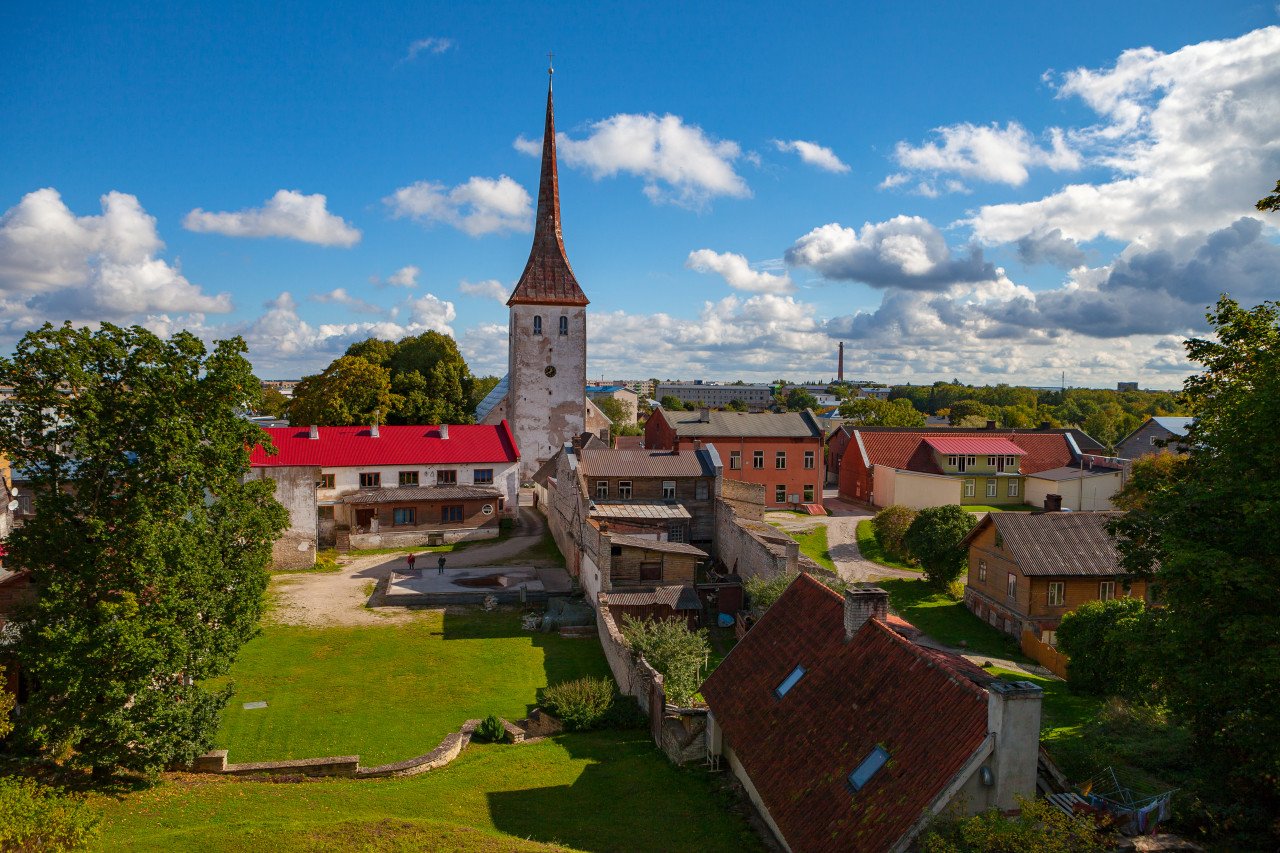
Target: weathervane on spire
column 550, row 66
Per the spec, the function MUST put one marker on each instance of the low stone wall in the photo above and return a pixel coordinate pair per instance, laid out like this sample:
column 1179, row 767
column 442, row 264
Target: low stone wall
column 216, row 762
column 683, row 736
column 408, row 538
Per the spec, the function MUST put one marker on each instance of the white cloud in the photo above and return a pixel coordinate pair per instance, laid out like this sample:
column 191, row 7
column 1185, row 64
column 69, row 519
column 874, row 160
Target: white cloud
column 736, row 272
column 55, row 265
column 479, row 206
column 434, row 45
column 679, row 163
column 431, row 312
column 813, row 154
column 288, row 214
column 1191, row 135
column 896, row 179
column 986, row 153
column 490, row 288
column 339, row 296
column 404, row 277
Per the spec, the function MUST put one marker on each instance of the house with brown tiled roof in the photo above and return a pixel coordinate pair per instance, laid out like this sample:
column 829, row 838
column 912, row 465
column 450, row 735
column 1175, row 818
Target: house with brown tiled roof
column 1028, row 570
column 849, row 736
column 988, row 466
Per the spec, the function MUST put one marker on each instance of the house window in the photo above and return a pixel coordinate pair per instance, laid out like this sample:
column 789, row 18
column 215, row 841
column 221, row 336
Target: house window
column 404, row 515
column 564, row 326
column 951, row 462
column 1153, row 441
column 780, row 459
column 1013, row 488
column 991, row 462
column 982, row 570
column 862, row 774
column 1011, row 585
column 24, row 505
column 450, row 513
column 735, row 459
column 1057, row 593
column 999, row 540
column 780, row 493
column 326, row 481
column 701, row 490
column 675, row 533
column 971, row 461
column 808, row 494
column 668, row 490
column 757, row 460
column 1106, row 590
column 447, row 477
column 615, row 550
column 991, row 488
column 482, row 476
column 1010, row 461
column 651, row 571
column 602, row 488
column 969, row 487
column 537, row 325
column 1049, row 638
column 624, row 489
column 808, row 460
column 408, row 478
column 789, row 682
column 325, row 513
column 370, row 479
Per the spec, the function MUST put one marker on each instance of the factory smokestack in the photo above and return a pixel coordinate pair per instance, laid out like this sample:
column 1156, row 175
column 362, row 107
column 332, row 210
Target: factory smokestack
column 840, row 364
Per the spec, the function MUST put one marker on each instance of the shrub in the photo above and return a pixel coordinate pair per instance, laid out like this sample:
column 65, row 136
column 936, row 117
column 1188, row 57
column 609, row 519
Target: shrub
column 1107, row 644
column 761, row 593
column 891, row 525
column 34, row 817
column 1038, row 828
column 934, row 539
column 624, row 714
column 490, row 730
column 7, row 700
column 580, row 704
column 673, row 650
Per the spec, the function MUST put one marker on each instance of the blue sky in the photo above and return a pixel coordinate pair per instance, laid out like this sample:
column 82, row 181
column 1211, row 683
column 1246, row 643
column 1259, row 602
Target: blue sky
column 997, row 193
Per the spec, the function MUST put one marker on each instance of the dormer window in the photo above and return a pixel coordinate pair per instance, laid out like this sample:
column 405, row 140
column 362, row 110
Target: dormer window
column 564, row 326
column 789, row 682
column 537, row 324
column 870, row 765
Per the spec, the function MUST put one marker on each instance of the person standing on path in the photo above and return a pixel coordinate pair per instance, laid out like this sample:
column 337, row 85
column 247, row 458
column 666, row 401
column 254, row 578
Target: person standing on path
column 411, row 559
column 440, row 563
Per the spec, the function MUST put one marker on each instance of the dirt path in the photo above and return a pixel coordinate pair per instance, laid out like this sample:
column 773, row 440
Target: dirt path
column 842, row 541
column 341, row 597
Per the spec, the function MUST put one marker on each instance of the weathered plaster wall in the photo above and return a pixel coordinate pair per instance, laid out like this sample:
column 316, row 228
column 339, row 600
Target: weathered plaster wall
column 296, row 492
column 546, row 411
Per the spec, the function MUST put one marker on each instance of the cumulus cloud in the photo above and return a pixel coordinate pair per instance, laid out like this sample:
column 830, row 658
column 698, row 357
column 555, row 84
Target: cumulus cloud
column 432, row 45
column 736, row 272
column 55, row 265
column 490, row 288
column 404, row 277
column 288, row 214
column 479, row 206
column 813, row 154
column 339, row 296
column 987, row 153
column 906, row 251
column 1050, row 248
column 679, row 163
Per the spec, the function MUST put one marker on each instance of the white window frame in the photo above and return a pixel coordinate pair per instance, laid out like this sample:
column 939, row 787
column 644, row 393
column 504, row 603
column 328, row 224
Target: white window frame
column 1011, row 586
column 970, row 488
column 808, row 492
column 1057, row 595
column 991, row 489
column 1013, row 487
column 809, row 460
column 735, row 460
column 951, row 461
column 780, row 493
column 780, row 460
column 757, row 460
column 1106, row 590
column 668, row 490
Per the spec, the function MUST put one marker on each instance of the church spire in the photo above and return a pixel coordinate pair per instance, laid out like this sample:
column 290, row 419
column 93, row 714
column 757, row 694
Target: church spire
column 547, row 278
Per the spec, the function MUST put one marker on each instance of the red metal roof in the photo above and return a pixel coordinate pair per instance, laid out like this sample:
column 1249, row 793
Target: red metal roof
column 926, row 708
column 975, row 444
column 898, row 449
column 349, row 446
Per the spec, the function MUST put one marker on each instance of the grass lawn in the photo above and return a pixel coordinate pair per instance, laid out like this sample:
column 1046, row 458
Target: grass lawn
column 390, row 692
column 600, row 791
column 813, row 544
column 947, row 620
column 869, row 547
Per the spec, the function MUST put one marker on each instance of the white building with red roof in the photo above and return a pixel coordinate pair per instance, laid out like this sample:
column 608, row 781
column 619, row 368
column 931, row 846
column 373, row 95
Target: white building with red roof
column 389, row 486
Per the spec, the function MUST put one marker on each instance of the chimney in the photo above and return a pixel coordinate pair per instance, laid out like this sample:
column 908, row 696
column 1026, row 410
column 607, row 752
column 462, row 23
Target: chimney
column 444, row 431
column 1013, row 718
column 1053, row 503
column 315, row 433
column 697, row 445
column 1045, row 425
column 862, row 603
column 840, row 364
column 991, row 424
column 704, row 415
column 373, row 431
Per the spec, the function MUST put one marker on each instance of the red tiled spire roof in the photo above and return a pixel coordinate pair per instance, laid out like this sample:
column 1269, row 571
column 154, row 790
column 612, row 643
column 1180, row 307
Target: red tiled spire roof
column 547, row 278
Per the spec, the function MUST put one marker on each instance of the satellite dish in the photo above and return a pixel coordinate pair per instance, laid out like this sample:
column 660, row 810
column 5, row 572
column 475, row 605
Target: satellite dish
column 13, row 505
column 14, row 491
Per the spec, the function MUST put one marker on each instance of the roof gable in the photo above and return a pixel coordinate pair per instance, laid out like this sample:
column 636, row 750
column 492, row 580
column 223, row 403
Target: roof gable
column 1057, row 543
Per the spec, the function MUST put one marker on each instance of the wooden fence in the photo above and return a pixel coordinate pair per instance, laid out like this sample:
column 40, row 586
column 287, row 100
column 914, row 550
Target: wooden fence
column 1045, row 654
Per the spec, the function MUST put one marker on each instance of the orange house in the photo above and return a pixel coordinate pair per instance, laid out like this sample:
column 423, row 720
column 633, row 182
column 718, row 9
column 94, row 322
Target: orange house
column 1027, row 570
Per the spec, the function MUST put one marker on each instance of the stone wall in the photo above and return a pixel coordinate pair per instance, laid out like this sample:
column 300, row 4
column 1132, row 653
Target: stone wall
column 634, row 675
column 296, row 492
column 392, row 538
column 753, row 548
column 747, row 499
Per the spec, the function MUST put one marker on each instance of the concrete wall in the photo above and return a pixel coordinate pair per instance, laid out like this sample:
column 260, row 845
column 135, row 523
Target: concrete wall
column 913, row 489
column 546, row 411
column 395, row 538
column 1091, row 493
column 746, row 499
column 296, row 492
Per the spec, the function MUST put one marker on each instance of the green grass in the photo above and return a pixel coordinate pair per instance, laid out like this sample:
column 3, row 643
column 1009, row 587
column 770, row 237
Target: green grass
column 947, row 620
column 390, row 692
column 813, row 544
column 326, row 563
column 869, row 547
column 600, row 791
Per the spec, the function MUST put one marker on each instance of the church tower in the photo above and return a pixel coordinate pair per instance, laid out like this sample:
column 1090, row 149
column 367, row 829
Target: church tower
column 547, row 354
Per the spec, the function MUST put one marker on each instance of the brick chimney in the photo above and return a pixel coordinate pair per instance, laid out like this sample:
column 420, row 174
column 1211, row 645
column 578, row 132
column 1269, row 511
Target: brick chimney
column 1053, row 503
column 1013, row 717
column 704, row 415
column 315, row 433
column 862, row 603
column 444, row 431
column 991, row 424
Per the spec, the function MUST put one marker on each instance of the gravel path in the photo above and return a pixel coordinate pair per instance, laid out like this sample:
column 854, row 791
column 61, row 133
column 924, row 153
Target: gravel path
column 842, row 541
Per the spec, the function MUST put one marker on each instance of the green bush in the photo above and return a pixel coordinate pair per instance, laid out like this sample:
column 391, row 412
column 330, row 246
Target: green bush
column 761, row 593
column 934, row 539
column 624, row 714
column 580, row 704
column 1107, row 644
column 1038, row 828
column 34, row 817
column 673, row 650
column 891, row 525
column 490, row 730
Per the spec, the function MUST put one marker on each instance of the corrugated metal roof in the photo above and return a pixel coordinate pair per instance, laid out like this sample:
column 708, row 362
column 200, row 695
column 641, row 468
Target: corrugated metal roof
column 414, row 494
column 905, row 448
column 675, row 597
column 638, row 509
column 964, row 444
column 1057, row 543
column 744, row 424
column 655, row 545
column 643, row 463
column 352, row 446
column 493, row 398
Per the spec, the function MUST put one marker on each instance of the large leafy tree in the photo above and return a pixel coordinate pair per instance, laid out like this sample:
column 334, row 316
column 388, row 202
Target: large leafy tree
column 1211, row 526
column 868, row 411
column 934, row 539
column 148, row 547
column 348, row 392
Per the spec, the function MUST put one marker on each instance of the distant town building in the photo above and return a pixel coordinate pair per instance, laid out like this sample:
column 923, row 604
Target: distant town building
column 284, row 386
column 1157, row 435
column 715, row 395
column 628, row 398
column 1126, row 386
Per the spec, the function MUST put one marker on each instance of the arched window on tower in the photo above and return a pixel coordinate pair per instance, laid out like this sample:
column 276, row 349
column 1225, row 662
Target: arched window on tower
column 564, row 325
column 537, row 325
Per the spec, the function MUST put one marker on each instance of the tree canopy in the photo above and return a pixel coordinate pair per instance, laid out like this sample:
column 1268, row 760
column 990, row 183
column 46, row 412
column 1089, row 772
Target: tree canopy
column 148, row 547
column 934, row 539
column 868, row 411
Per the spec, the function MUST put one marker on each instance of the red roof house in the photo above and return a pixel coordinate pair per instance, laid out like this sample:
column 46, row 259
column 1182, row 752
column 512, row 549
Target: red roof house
column 849, row 736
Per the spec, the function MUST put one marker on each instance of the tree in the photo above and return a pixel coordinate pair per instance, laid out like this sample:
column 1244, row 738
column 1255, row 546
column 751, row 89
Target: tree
column 1107, row 643
column 671, row 404
column 349, row 392
column 1149, row 476
column 966, row 410
column 1270, row 203
column 7, row 701
column 934, row 539
column 43, row 819
column 1208, row 537
column 274, row 403
column 891, row 525
column 736, row 406
column 673, row 650
column 150, row 546
column 480, row 388
column 432, row 380
column 1038, row 827
column 798, row 399
column 868, row 411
